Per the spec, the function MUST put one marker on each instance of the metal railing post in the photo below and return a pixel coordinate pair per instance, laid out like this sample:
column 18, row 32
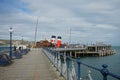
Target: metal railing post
column 62, row 61
column 57, row 62
column 68, row 63
column 78, row 62
column 104, row 71
column 54, row 58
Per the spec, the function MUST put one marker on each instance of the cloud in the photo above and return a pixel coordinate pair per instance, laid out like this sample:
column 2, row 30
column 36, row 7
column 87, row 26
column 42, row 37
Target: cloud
column 96, row 7
column 105, row 26
column 90, row 21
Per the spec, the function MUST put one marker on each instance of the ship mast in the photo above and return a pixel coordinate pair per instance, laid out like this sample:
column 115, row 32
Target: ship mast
column 70, row 37
column 36, row 31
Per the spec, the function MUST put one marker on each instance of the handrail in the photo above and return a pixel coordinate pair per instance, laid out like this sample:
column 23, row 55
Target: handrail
column 52, row 55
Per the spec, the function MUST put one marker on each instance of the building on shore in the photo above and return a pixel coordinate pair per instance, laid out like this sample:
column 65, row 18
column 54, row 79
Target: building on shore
column 42, row 43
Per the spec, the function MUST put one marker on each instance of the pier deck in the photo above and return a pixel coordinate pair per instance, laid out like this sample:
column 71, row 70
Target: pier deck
column 86, row 51
column 33, row 66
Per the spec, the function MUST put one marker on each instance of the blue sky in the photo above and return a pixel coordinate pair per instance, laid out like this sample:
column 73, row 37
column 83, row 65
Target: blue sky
column 90, row 21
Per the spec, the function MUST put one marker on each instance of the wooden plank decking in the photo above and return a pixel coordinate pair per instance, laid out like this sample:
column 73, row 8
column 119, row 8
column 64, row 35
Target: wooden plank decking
column 33, row 66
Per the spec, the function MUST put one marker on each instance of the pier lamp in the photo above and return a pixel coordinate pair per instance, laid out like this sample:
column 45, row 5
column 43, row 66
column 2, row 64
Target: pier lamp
column 10, row 54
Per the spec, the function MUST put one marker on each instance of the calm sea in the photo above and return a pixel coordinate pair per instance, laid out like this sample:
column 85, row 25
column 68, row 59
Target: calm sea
column 113, row 62
column 3, row 48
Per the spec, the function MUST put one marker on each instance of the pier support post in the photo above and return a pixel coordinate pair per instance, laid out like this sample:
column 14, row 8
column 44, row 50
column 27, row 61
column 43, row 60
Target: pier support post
column 64, row 54
column 70, row 53
column 75, row 54
column 96, row 49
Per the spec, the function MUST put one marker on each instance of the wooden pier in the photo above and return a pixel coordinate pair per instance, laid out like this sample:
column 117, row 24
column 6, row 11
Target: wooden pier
column 33, row 66
column 91, row 50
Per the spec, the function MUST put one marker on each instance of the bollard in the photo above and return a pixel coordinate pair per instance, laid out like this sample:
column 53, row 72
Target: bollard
column 104, row 71
column 79, row 62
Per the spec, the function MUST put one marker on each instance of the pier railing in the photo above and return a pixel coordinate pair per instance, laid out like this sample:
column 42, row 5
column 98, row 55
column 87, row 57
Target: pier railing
column 70, row 68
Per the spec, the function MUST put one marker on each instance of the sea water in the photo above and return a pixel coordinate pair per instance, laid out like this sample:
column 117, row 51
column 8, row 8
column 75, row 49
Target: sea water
column 3, row 48
column 113, row 62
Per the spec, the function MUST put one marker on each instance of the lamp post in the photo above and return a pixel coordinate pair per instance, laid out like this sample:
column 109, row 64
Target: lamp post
column 11, row 30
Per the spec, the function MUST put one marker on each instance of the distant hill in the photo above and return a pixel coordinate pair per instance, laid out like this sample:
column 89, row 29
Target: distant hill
column 7, row 42
column 4, row 42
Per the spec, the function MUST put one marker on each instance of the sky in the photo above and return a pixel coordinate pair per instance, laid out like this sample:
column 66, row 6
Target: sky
column 86, row 21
